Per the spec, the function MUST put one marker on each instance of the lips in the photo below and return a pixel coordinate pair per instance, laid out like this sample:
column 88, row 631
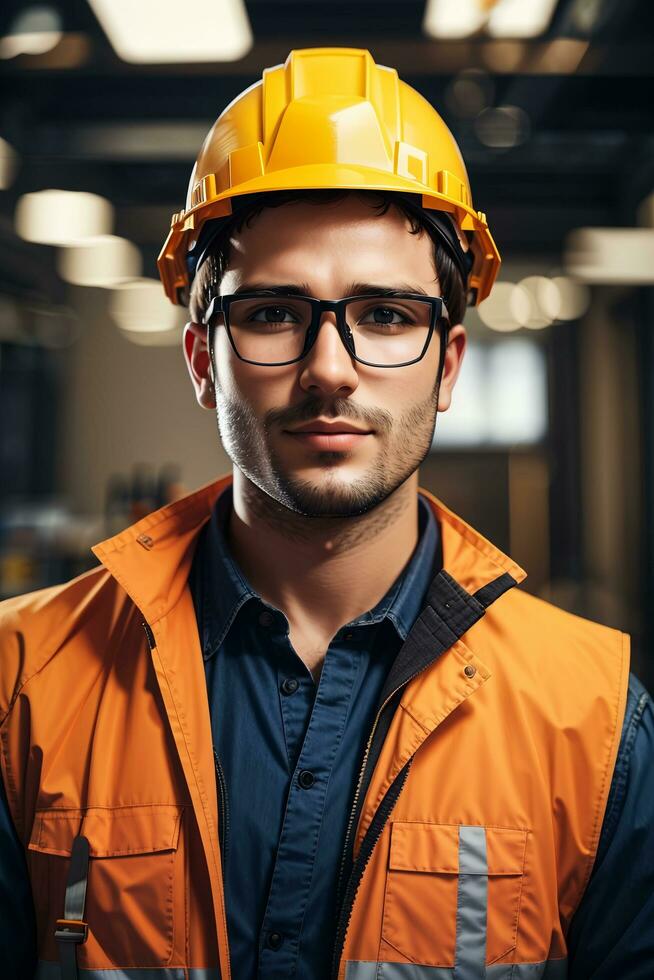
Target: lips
column 329, row 428
column 329, row 438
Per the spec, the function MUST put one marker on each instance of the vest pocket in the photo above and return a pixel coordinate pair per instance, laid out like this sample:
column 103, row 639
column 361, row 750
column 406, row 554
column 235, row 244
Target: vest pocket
column 130, row 895
column 453, row 894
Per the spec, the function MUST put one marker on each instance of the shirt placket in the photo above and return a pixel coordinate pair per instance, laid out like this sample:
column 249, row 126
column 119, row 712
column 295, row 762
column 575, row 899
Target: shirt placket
column 294, row 862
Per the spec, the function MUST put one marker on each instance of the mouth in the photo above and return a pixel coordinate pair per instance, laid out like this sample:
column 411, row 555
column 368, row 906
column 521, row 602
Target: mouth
column 332, row 439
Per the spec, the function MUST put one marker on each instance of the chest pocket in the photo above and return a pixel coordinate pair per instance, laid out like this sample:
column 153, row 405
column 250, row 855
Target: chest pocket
column 135, row 882
column 453, row 894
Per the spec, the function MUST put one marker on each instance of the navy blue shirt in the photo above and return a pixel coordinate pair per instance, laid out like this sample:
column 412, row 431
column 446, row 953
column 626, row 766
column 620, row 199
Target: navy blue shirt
column 280, row 887
column 291, row 750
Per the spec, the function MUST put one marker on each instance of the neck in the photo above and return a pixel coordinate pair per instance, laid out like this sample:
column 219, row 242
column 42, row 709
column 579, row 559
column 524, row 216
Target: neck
column 321, row 572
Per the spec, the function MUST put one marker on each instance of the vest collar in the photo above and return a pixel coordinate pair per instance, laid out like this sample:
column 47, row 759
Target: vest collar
column 152, row 559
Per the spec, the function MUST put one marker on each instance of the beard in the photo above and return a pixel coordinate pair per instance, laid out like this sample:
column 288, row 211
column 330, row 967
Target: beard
column 406, row 441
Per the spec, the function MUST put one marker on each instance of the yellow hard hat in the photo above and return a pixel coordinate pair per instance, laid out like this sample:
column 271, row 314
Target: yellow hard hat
column 328, row 118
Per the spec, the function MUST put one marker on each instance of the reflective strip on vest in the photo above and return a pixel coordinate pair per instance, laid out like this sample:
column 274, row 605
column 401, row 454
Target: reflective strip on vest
column 472, row 905
column 547, row 970
column 471, row 928
column 51, row 971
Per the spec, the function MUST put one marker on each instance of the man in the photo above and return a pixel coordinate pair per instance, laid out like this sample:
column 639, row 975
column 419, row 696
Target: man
column 302, row 723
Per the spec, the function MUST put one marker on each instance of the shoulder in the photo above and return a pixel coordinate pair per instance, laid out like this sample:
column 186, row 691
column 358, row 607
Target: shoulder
column 530, row 612
column 556, row 640
column 569, row 673
column 34, row 627
column 536, row 630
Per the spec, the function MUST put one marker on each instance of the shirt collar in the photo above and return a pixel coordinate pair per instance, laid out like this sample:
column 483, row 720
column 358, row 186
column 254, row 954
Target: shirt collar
column 220, row 589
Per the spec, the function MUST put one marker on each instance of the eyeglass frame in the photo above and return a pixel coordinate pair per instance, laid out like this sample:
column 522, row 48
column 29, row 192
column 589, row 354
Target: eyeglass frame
column 439, row 314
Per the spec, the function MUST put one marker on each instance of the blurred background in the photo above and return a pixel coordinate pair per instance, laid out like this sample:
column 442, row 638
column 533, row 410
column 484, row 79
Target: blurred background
column 549, row 446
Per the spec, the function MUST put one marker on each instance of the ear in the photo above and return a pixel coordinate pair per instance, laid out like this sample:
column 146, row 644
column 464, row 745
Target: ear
column 456, row 346
column 198, row 362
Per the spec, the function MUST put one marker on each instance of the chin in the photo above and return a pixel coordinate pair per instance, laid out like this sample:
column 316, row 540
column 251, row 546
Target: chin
column 330, row 494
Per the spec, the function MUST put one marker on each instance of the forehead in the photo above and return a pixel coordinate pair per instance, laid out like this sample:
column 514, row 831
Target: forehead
column 327, row 245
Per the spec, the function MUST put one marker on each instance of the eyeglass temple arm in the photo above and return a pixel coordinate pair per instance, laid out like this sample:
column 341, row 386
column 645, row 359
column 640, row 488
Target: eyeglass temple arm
column 215, row 306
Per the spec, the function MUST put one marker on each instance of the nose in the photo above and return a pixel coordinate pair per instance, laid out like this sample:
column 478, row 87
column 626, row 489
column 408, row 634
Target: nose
column 328, row 367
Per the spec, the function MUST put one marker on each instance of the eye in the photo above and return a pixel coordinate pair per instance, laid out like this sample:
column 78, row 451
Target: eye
column 384, row 314
column 273, row 314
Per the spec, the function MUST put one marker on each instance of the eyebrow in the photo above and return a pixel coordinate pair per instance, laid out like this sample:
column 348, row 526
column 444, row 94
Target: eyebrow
column 353, row 289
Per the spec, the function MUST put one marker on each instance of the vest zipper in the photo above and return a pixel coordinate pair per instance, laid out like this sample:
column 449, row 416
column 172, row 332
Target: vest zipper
column 384, row 809
column 374, row 832
column 354, row 804
column 223, row 811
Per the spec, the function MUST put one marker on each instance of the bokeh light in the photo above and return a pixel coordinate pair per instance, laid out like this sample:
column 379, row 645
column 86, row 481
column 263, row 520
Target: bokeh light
column 469, row 93
column 34, row 31
column 502, row 127
column 157, row 32
column 506, row 309
column 55, row 217
column 140, row 309
column 611, row 255
column 101, row 261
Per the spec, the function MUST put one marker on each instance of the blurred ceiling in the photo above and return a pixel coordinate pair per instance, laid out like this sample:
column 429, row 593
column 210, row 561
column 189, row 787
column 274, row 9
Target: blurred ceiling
column 575, row 145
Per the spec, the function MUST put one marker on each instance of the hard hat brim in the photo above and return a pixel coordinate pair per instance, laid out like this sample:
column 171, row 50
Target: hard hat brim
column 187, row 225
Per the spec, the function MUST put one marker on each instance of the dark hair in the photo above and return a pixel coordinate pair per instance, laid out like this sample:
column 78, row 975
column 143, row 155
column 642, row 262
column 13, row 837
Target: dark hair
column 207, row 281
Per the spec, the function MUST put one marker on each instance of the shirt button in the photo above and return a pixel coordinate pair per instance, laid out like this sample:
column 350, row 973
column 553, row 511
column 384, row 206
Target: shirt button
column 306, row 779
column 290, row 685
column 274, row 940
column 266, row 618
column 469, row 670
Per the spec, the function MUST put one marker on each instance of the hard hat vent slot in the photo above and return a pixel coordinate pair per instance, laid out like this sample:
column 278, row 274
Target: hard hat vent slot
column 411, row 162
column 246, row 163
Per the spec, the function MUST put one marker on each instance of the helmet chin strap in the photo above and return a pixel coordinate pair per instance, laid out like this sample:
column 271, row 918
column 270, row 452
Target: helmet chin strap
column 444, row 331
column 211, row 332
column 443, row 336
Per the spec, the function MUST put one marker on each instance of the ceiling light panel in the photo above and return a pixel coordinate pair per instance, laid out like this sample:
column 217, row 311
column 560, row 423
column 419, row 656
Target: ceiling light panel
column 611, row 255
column 164, row 32
column 55, row 217
column 519, row 18
column 452, row 19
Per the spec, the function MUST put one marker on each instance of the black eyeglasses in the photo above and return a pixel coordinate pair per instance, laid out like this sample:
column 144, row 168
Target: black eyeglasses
column 377, row 330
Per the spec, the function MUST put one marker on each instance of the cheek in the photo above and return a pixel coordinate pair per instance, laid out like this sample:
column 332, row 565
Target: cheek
column 400, row 390
column 261, row 388
column 237, row 380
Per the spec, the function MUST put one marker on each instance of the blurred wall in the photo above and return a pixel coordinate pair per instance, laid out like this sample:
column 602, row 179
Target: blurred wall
column 611, row 427
column 126, row 404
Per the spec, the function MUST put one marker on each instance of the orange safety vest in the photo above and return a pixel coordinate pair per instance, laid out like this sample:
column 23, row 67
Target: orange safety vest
column 479, row 806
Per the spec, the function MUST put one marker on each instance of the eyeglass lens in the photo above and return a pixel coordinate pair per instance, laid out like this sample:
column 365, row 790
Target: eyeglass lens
column 383, row 331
